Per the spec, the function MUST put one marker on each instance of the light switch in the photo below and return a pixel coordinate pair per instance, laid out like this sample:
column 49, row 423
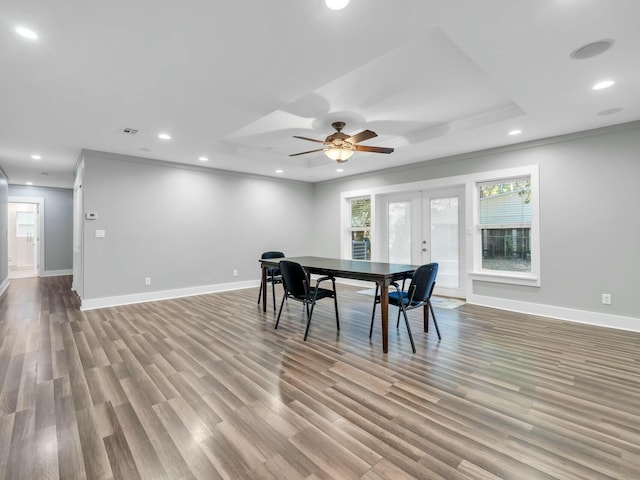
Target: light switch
column 100, row 233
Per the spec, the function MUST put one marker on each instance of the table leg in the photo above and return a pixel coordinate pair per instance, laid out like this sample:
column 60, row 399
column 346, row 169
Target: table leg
column 264, row 289
column 384, row 313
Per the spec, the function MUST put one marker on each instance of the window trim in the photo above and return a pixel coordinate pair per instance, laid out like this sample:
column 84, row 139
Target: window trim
column 531, row 278
column 346, row 247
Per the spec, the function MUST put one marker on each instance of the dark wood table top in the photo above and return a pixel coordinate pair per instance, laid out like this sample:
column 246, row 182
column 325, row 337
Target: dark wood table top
column 355, row 269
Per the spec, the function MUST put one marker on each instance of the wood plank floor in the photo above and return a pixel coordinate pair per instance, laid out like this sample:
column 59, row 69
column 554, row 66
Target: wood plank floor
column 205, row 388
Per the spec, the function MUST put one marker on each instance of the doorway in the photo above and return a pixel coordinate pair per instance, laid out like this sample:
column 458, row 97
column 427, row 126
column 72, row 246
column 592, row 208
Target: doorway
column 22, row 244
column 423, row 227
column 23, row 237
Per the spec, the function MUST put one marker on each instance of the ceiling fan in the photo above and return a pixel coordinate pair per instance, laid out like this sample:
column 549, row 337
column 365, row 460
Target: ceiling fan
column 339, row 146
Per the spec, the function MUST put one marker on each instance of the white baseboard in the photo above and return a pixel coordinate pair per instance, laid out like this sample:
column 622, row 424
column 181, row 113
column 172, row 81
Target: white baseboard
column 4, row 285
column 94, row 303
column 56, row 273
column 561, row 313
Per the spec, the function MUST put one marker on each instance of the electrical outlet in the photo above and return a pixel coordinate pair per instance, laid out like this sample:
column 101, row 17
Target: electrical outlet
column 147, row 281
column 606, row 299
column 235, row 273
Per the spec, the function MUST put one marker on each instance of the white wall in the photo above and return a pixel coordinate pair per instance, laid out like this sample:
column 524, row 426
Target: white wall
column 186, row 228
column 589, row 230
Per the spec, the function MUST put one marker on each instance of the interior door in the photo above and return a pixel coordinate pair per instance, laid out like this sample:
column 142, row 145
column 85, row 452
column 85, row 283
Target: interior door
column 443, row 238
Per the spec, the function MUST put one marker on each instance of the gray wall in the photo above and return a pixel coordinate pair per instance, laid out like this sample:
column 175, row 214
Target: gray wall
column 184, row 227
column 4, row 241
column 589, row 227
column 58, row 224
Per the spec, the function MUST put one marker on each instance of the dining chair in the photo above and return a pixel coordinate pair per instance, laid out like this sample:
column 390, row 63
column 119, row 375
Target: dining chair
column 376, row 301
column 418, row 295
column 273, row 276
column 295, row 281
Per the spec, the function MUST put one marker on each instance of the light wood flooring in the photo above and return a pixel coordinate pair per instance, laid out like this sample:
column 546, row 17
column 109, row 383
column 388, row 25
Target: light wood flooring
column 205, row 388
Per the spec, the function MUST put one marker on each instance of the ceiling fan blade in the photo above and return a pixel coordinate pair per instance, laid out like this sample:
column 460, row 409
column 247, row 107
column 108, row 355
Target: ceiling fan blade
column 309, row 139
column 362, row 136
column 365, row 148
column 310, row 151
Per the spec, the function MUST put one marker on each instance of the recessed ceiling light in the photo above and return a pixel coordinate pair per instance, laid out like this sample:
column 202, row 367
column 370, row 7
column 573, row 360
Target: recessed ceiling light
column 515, row 131
column 336, row 4
column 36, row 157
column 604, row 84
column 279, row 171
column 340, row 170
column 164, row 136
column 592, row 49
column 29, row 183
column 203, row 159
column 26, row 33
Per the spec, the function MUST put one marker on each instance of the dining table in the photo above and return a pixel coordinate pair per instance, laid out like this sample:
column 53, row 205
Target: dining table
column 383, row 274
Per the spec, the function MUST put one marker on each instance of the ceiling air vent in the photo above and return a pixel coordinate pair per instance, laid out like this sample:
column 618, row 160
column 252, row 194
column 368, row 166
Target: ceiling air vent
column 129, row 131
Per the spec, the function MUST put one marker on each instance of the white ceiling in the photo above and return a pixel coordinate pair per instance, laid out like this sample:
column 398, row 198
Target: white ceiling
column 234, row 81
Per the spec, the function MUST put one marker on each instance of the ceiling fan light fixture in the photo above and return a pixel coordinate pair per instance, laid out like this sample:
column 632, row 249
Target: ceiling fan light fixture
column 339, row 154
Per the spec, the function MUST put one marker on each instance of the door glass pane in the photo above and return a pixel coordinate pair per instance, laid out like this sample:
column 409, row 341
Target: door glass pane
column 444, row 240
column 400, row 232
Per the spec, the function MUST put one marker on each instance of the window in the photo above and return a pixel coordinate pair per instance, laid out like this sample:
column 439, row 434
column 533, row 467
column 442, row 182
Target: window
column 505, row 224
column 360, row 228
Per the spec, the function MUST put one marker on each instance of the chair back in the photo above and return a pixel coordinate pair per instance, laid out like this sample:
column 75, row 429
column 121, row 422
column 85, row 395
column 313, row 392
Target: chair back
column 267, row 255
column 294, row 278
column 273, row 271
column 422, row 282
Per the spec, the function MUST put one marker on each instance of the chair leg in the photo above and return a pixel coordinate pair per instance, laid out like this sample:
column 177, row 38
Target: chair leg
column 309, row 313
column 373, row 314
column 398, row 322
column 273, row 292
column 406, row 321
column 280, row 311
column 435, row 322
column 260, row 292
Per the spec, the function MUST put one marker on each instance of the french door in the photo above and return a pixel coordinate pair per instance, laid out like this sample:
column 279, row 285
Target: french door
column 443, row 238
column 401, row 228
column 423, row 227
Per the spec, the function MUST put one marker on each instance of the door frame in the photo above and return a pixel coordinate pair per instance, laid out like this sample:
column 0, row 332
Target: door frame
column 420, row 216
column 39, row 201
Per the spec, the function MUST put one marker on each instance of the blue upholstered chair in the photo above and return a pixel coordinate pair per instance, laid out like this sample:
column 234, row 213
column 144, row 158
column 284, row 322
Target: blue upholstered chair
column 418, row 295
column 295, row 281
